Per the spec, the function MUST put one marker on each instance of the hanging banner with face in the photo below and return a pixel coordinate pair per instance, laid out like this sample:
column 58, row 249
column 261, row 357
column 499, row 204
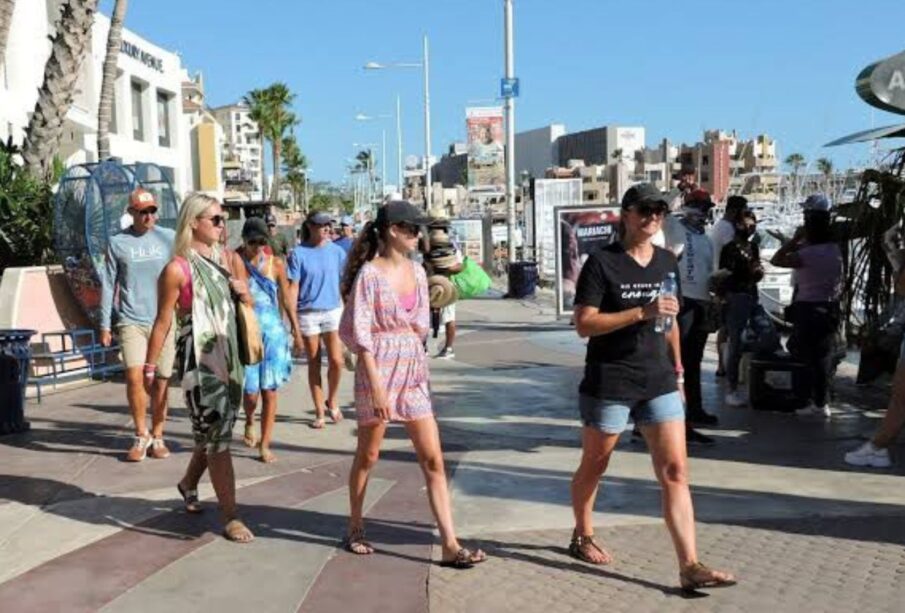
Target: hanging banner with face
column 486, row 163
column 580, row 230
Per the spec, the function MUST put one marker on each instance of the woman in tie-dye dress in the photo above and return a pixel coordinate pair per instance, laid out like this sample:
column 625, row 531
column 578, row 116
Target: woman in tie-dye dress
column 268, row 286
column 385, row 322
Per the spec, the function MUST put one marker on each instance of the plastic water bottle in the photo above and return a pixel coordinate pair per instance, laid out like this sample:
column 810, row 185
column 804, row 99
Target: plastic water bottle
column 669, row 287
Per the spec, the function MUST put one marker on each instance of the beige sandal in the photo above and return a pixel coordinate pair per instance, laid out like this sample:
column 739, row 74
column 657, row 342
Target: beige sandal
column 697, row 576
column 249, row 436
column 237, row 532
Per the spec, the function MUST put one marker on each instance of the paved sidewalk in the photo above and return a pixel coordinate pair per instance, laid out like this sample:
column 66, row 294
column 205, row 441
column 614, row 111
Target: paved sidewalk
column 81, row 530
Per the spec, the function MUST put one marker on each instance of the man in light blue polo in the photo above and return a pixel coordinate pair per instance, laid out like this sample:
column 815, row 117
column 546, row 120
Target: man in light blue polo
column 346, row 233
column 133, row 263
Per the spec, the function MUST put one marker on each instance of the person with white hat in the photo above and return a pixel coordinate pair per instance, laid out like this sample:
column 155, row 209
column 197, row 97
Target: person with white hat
column 134, row 260
column 814, row 312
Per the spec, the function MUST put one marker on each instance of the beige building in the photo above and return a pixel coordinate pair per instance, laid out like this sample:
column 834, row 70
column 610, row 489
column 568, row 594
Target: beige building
column 242, row 156
column 206, row 139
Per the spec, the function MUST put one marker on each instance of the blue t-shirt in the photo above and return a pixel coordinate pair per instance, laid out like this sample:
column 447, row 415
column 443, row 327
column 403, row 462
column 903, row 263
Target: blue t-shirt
column 345, row 242
column 317, row 271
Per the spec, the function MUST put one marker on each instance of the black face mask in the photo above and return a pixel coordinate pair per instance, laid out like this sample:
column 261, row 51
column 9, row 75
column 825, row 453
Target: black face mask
column 746, row 232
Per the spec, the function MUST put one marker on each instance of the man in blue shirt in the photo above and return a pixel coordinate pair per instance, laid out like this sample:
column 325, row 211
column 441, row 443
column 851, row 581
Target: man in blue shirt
column 347, row 233
column 314, row 270
column 133, row 262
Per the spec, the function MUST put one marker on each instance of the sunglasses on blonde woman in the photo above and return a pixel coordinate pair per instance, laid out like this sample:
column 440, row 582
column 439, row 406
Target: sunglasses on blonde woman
column 216, row 220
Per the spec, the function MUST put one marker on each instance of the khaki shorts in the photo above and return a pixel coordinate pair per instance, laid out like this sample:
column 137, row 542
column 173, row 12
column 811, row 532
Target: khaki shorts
column 133, row 340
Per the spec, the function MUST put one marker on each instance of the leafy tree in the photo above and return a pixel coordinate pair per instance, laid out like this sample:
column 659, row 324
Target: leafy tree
column 270, row 108
column 295, row 165
column 26, row 211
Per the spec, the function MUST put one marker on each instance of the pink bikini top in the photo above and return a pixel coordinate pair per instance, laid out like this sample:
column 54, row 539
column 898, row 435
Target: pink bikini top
column 409, row 300
column 185, row 292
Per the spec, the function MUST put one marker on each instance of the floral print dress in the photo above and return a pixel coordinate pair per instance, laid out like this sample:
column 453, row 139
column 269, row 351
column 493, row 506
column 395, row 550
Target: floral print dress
column 375, row 320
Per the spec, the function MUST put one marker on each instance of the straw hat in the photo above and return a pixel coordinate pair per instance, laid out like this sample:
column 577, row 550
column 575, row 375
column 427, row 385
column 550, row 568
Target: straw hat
column 442, row 291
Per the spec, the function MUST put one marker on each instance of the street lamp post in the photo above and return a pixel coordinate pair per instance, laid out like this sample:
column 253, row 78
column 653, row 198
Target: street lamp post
column 510, row 129
column 425, row 66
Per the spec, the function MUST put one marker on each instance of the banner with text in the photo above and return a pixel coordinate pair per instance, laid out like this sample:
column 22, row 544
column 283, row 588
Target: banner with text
column 581, row 230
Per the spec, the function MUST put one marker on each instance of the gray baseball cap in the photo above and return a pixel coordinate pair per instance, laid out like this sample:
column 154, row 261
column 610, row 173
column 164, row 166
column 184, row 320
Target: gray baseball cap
column 320, row 218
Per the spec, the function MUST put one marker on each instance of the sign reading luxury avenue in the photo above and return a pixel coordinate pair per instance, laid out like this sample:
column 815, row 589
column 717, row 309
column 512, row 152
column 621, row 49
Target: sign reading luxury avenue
column 137, row 53
column 882, row 84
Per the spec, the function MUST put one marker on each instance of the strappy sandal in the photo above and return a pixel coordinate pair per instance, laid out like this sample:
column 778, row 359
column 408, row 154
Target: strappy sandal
column 336, row 415
column 355, row 542
column 465, row 558
column 249, row 436
column 699, row 576
column 317, row 424
column 190, row 499
column 581, row 547
column 237, row 532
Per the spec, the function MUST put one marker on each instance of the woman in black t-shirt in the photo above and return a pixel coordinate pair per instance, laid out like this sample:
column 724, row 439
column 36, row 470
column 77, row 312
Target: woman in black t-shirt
column 633, row 370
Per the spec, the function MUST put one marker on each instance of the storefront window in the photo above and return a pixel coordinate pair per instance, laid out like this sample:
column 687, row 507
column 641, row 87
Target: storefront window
column 138, row 124
column 163, row 119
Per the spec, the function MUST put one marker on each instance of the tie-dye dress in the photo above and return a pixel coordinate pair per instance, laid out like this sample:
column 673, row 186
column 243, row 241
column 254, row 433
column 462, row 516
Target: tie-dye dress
column 375, row 320
column 276, row 367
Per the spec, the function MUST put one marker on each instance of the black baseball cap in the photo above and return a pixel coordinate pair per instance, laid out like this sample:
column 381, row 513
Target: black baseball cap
column 643, row 193
column 255, row 228
column 319, row 218
column 400, row 211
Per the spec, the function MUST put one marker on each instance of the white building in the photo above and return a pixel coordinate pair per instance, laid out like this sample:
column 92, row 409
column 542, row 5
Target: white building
column 628, row 140
column 148, row 124
column 243, row 162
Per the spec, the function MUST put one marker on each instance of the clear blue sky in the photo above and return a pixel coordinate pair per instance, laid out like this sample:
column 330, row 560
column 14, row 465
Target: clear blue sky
column 782, row 67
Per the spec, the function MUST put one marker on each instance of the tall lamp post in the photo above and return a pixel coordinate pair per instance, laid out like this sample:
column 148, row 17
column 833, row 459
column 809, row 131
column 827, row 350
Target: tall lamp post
column 424, row 64
column 510, row 128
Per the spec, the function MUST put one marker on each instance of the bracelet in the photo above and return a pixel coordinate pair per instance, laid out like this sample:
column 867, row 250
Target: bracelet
column 679, row 370
column 148, row 367
column 680, row 379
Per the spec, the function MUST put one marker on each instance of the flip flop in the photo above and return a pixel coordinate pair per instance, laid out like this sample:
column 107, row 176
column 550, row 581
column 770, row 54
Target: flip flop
column 317, row 424
column 336, row 415
column 266, row 456
column 249, row 436
column 234, row 530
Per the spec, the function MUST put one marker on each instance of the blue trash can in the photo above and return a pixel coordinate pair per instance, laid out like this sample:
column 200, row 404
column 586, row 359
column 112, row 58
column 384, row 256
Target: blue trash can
column 14, row 359
column 522, row 279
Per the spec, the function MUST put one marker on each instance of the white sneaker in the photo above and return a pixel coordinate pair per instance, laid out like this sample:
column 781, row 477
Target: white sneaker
column 736, row 399
column 869, row 455
column 813, row 410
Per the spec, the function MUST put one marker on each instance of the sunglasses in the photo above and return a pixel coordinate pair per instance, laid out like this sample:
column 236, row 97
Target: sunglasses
column 148, row 212
column 649, row 210
column 410, row 228
column 257, row 242
column 216, row 220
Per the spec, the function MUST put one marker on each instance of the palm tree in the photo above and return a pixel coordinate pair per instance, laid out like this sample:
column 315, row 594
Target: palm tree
column 617, row 155
column 825, row 166
column 796, row 162
column 69, row 47
column 295, row 164
column 270, row 108
column 6, row 20
column 108, row 82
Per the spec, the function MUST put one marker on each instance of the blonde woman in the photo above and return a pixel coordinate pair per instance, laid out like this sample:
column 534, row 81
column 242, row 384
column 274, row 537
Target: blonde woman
column 199, row 288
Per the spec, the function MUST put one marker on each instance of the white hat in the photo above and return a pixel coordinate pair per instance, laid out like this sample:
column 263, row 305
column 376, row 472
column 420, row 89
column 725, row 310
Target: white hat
column 816, row 202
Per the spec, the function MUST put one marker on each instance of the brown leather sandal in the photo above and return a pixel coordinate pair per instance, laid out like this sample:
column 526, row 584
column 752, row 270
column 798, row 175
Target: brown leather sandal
column 581, row 547
column 355, row 542
column 697, row 576
column 465, row 558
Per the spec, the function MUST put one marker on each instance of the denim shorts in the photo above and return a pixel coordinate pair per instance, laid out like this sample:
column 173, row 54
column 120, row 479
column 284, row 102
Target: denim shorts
column 611, row 416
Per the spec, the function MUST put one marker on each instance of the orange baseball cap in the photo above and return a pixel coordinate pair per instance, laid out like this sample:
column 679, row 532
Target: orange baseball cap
column 141, row 199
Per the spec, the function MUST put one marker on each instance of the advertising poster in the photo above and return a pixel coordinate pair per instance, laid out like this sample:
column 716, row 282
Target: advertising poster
column 580, row 230
column 469, row 235
column 486, row 162
column 549, row 194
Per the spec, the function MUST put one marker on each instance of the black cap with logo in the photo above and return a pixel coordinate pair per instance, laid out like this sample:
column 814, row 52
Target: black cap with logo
column 255, row 228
